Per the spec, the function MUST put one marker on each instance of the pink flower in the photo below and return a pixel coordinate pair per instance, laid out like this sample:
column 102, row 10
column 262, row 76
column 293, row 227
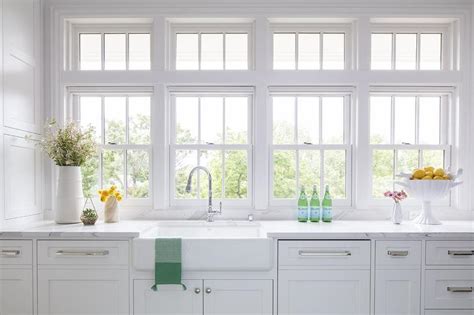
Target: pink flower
column 396, row 196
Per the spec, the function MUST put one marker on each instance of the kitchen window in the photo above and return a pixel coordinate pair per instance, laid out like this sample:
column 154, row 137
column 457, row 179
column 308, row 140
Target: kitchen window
column 212, row 129
column 310, row 144
column 122, row 124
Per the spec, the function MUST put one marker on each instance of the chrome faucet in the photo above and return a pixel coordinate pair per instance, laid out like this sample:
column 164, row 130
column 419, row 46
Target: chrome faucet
column 210, row 212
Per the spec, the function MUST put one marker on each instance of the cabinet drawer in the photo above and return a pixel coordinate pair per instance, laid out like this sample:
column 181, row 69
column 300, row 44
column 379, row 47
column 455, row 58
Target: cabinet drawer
column 324, row 253
column 398, row 253
column 83, row 252
column 16, row 252
column 450, row 252
column 449, row 289
column 449, row 312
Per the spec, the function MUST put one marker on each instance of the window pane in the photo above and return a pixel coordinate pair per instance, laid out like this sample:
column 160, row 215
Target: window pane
column 212, row 51
column 212, row 160
column 236, row 116
column 185, row 160
column 382, row 172
column 333, row 120
column 405, row 51
column 333, row 51
column 115, row 54
column 283, row 120
column 91, row 113
column 115, row 125
column 308, row 120
column 113, row 169
column 211, row 119
column 139, row 51
column 187, row 113
column 429, row 120
column 236, row 51
column 433, row 158
column 380, row 119
column 187, row 52
column 309, row 169
column 236, row 182
column 430, row 51
column 284, row 174
column 90, row 51
column 405, row 119
column 407, row 161
column 284, row 56
column 335, row 172
column 90, row 176
column 381, row 52
column 138, row 174
column 308, row 51
column 139, row 119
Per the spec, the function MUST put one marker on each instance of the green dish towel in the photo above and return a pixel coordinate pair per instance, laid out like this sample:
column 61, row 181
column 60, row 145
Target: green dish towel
column 167, row 262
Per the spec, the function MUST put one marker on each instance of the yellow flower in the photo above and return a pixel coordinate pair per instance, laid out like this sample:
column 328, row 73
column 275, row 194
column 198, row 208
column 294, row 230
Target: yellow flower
column 102, row 199
column 119, row 198
column 113, row 188
column 104, row 193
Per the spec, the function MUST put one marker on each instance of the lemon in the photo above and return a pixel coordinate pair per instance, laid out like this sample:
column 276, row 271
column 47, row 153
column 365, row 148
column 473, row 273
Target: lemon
column 427, row 178
column 429, row 169
column 446, row 177
column 419, row 173
column 438, row 178
column 439, row 172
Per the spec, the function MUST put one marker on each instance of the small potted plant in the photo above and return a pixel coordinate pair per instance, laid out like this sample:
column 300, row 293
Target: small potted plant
column 397, row 197
column 111, row 197
column 89, row 216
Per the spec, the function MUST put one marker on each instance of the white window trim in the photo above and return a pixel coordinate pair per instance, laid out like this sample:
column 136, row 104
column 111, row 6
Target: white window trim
column 447, row 43
column 212, row 28
column 73, row 60
column 174, row 92
column 328, row 28
column 73, row 112
column 347, row 93
column 446, row 136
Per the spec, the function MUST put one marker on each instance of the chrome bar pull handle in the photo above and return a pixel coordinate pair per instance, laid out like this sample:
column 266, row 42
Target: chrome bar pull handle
column 460, row 289
column 314, row 253
column 397, row 253
column 10, row 252
column 82, row 253
column 460, row 252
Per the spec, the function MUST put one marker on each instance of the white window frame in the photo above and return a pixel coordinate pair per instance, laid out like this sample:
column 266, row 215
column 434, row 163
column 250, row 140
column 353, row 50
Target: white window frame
column 173, row 147
column 327, row 28
column 102, row 29
column 210, row 28
column 447, row 47
column 446, row 135
column 73, row 112
column 347, row 93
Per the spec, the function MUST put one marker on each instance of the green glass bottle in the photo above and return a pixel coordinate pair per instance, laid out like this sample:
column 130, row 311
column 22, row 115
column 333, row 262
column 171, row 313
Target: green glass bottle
column 315, row 206
column 302, row 206
column 327, row 206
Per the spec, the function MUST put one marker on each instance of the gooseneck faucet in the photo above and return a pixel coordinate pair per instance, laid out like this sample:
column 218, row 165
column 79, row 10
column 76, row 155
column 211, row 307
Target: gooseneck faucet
column 210, row 212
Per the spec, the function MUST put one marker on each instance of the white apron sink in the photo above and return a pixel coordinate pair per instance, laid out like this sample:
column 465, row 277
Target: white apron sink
column 214, row 246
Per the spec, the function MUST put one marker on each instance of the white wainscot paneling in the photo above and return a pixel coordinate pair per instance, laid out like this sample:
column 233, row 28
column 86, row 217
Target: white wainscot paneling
column 22, row 168
column 19, row 25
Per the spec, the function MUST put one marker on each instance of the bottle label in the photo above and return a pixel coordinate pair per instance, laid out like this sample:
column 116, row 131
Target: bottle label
column 327, row 213
column 315, row 213
column 302, row 213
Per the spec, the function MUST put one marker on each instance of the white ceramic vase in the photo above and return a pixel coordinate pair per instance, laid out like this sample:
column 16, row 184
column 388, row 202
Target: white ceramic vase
column 69, row 195
column 397, row 213
column 111, row 213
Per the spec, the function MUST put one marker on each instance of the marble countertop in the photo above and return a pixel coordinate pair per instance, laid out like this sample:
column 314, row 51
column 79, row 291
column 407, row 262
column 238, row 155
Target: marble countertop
column 348, row 229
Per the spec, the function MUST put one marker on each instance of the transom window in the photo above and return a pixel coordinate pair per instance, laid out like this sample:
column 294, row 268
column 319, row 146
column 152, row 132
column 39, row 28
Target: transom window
column 122, row 125
column 311, row 144
column 212, row 130
column 407, row 131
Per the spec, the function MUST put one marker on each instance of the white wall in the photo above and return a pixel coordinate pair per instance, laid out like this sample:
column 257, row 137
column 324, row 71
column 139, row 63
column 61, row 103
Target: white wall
column 21, row 108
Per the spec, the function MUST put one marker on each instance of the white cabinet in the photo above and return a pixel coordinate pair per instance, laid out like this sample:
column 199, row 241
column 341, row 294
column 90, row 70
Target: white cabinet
column 83, row 291
column 209, row 297
column 323, row 292
column 16, row 291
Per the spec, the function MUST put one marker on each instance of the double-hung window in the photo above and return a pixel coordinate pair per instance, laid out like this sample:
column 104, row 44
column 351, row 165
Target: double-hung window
column 408, row 129
column 122, row 122
column 311, row 143
column 211, row 128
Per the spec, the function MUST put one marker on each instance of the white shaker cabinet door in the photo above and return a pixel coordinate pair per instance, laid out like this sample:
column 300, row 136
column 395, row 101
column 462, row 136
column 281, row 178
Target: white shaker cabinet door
column 83, row 291
column 16, row 291
column 318, row 292
column 168, row 300
column 238, row 297
column 397, row 292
